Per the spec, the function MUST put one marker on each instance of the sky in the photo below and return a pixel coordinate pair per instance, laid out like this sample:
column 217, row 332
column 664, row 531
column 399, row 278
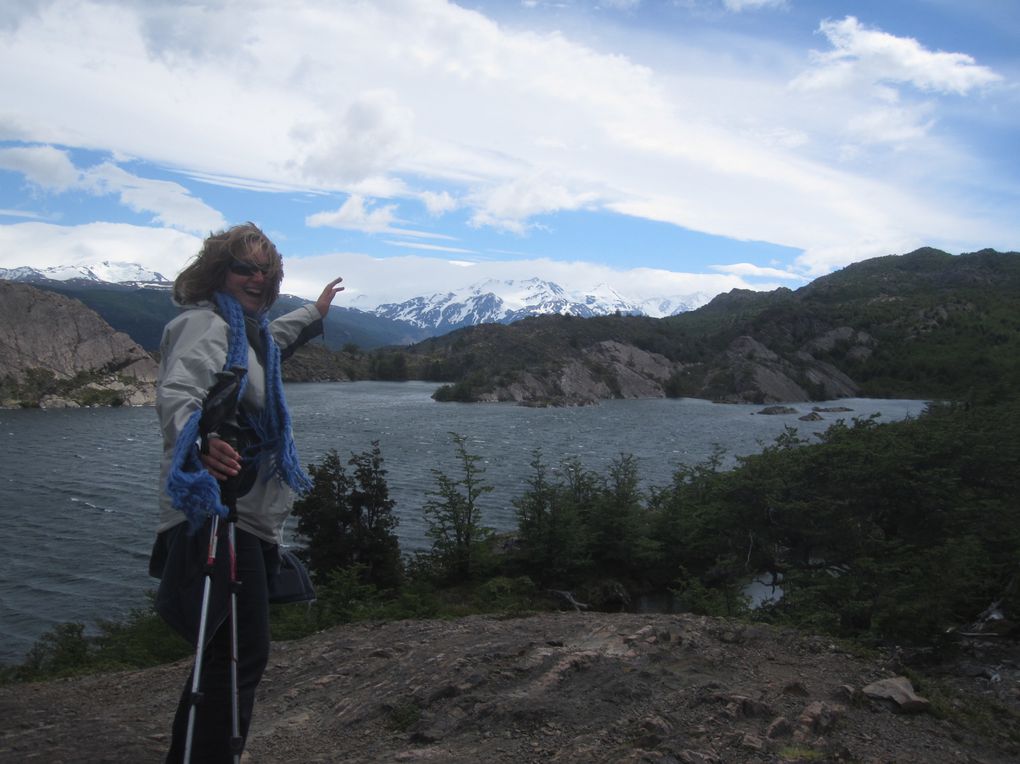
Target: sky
column 661, row 147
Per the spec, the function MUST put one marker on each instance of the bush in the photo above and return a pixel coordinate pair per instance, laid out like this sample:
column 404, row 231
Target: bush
column 139, row 641
column 506, row 595
column 348, row 520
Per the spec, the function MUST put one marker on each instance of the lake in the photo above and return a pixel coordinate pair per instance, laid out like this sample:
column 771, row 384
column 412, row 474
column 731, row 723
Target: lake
column 78, row 486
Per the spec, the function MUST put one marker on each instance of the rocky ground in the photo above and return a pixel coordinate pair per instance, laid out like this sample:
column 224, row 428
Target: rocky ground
column 552, row 688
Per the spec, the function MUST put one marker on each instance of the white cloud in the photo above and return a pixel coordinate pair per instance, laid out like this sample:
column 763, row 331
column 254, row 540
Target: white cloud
column 894, row 125
column 42, row 245
column 171, row 202
column 756, row 271
column 355, row 215
column 368, row 139
column 509, row 206
column 871, row 56
column 439, row 203
column 21, row 214
column 882, row 90
column 429, row 247
column 381, row 187
column 44, row 166
column 53, row 170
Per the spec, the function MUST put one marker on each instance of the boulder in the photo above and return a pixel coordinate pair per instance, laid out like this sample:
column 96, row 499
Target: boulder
column 817, row 718
column 900, row 692
column 776, row 410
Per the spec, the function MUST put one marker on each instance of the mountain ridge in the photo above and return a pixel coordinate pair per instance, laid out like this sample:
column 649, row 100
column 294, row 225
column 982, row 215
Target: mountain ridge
column 399, row 323
column 104, row 271
column 509, row 300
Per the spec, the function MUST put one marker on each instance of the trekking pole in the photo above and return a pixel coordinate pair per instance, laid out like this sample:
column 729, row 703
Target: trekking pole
column 219, row 406
column 236, row 741
column 196, row 675
column 228, row 494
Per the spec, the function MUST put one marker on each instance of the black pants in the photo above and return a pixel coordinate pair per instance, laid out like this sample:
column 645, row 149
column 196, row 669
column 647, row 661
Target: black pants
column 211, row 740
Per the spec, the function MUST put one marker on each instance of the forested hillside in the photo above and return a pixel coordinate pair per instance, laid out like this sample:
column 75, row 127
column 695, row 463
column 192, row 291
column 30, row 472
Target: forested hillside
column 926, row 325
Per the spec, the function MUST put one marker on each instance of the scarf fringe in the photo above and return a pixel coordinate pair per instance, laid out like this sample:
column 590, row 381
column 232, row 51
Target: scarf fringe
column 189, row 485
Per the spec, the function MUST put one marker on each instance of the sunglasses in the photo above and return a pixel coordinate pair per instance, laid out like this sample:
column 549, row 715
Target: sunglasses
column 242, row 268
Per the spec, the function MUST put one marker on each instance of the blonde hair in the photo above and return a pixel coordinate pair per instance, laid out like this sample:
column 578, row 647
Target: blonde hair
column 207, row 271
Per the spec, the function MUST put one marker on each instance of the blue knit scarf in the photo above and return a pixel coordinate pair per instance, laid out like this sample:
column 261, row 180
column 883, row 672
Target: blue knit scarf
column 189, row 485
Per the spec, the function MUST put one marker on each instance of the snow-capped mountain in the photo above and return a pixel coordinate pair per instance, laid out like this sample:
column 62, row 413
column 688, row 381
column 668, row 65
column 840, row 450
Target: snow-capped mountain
column 490, row 301
column 107, row 272
column 504, row 302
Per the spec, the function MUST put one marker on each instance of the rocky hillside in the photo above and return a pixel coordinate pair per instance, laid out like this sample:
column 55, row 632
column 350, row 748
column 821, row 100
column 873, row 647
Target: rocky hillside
column 922, row 325
column 562, row 687
column 56, row 352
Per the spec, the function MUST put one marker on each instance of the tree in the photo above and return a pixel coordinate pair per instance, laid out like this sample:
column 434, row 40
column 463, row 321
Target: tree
column 348, row 520
column 616, row 521
column 551, row 539
column 453, row 517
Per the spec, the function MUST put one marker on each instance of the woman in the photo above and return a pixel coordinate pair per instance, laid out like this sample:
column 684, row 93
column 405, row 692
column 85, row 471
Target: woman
column 225, row 293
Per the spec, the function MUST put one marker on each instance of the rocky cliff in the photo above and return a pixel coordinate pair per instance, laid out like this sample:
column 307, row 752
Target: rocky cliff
column 56, row 352
column 747, row 372
column 569, row 687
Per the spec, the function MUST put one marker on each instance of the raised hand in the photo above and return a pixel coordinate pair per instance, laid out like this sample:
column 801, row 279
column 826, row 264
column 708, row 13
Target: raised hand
column 326, row 298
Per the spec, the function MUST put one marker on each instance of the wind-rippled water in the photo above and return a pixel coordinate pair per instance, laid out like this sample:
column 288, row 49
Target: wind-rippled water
column 78, row 487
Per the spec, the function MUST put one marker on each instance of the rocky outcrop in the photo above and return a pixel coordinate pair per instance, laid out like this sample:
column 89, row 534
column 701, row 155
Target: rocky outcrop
column 750, row 372
column 747, row 372
column 859, row 344
column 607, row 369
column 56, row 352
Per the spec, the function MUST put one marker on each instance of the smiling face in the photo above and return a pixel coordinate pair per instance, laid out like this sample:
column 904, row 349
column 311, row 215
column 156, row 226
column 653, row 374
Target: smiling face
column 250, row 281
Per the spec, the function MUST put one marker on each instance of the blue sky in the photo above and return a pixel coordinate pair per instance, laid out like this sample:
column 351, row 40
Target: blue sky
column 414, row 146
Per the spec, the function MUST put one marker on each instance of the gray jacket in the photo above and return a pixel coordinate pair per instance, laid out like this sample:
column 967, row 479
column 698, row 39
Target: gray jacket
column 193, row 349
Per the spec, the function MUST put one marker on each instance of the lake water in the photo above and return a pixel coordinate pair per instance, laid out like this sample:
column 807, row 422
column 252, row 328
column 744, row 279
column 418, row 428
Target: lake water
column 78, row 486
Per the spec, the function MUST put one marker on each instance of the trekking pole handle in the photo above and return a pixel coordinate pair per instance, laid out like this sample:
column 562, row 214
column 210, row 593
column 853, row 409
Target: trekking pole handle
column 230, row 486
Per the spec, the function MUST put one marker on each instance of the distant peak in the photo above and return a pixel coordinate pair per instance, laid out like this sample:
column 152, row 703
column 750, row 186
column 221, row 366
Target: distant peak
column 104, row 271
